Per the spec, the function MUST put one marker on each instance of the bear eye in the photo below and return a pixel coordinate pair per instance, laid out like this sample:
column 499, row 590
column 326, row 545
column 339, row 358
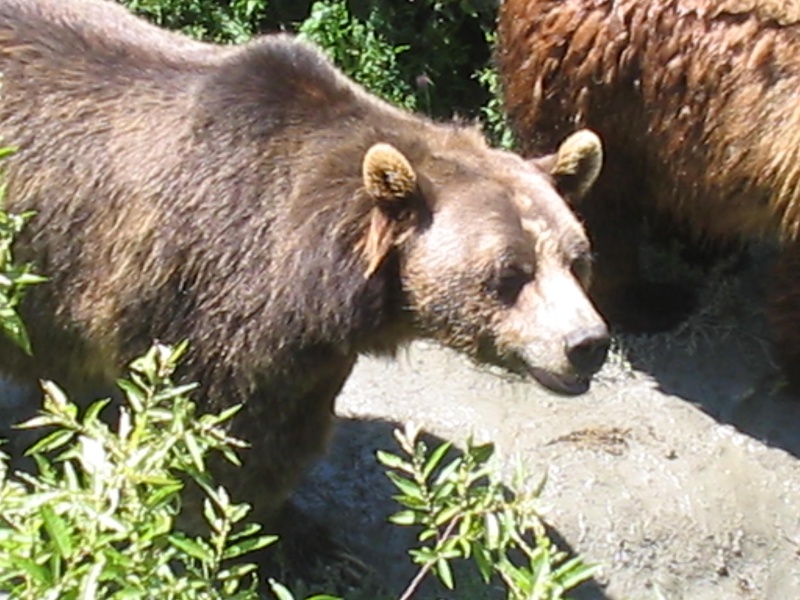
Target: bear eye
column 582, row 269
column 509, row 281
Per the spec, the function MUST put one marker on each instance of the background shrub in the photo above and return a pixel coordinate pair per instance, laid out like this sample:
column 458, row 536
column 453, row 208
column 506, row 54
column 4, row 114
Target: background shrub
column 98, row 518
column 212, row 20
column 430, row 55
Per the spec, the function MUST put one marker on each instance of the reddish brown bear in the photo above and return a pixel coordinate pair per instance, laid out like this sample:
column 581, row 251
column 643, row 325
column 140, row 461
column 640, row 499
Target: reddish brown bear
column 256, row 202
column 696, row 103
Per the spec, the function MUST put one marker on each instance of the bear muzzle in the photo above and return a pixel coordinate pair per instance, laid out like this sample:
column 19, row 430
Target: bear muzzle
column 585, row 350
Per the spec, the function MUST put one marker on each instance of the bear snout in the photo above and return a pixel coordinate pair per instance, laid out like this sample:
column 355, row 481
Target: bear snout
column 587, row 348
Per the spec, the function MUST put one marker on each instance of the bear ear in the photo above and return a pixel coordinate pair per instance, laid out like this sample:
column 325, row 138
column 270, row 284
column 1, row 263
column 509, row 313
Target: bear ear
column 388, row 176
column 576, row 164
column 391, row 183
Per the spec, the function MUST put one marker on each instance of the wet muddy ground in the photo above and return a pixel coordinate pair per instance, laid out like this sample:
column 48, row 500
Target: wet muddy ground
column 679, row 472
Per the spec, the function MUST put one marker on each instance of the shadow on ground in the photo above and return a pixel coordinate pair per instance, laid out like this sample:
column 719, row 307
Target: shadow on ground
column 720, row 359
column 352, row 493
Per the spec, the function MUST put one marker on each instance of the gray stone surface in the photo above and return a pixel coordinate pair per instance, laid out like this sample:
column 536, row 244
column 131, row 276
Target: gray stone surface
column 678, row 472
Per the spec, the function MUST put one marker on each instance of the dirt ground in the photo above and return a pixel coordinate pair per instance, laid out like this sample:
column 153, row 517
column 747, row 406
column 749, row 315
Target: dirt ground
column 678, row 472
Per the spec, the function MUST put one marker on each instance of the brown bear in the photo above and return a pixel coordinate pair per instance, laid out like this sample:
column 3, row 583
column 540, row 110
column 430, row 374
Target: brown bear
column 696, row 103
column 254, row 201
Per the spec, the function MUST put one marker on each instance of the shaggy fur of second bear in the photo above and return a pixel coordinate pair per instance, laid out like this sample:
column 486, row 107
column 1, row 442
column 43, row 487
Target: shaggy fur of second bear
column 696, row 102
column 257, row 203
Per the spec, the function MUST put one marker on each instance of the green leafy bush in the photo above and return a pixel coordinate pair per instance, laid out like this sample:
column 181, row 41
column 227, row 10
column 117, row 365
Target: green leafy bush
column 99, row 518
column 428, row 55
column 222, row 21
column 494, row 119
column 464, row 511
column 14, row 278
column 441, row 48
column 360, row 50
column 447, row 46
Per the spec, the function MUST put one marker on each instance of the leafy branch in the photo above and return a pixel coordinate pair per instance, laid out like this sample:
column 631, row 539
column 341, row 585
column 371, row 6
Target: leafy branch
column 465, row 512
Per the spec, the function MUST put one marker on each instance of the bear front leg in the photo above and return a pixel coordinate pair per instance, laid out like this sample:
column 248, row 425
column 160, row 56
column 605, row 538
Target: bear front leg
column 287, row 426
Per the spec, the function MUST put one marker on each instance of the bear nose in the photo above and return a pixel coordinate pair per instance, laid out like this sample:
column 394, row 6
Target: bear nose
column 587, row 349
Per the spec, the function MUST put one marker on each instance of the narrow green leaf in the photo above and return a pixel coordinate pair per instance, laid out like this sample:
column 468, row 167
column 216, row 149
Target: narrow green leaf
column 417, row 504
column 94, row 410
column 483, row 561
column 248, row 530
column 574, row 572
column 70, row 477
column 26, row 279
column 237, row 512
column 435, row 458
column 281, row 591
column 481, row 454
column 522, row 579
column 166, row 490
column 178, row 351
column 408, row 487
column 539, row 487
column 229, row 412
column 447, row 472
column 237, row 570
column 213, row 515
column 538, row 560
column 444, row 573
column 421, row 556
column 194, row 451
column 248, row 545
column 91, row 582
column 55, row 394
column 405, row 517
column 44, row 420
column 133, row 393
column 35, row 571
column 492, row 534
column 387, row 459
column 427, row 534
column 176, row 391
column 58, row 531
column 194, row 548
column 53, row 441
column 447, row 514
column 14, row 329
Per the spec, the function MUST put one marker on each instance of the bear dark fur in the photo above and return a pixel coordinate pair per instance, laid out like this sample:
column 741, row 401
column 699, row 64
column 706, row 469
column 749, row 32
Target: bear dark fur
column 696, row 103
column 256, row 202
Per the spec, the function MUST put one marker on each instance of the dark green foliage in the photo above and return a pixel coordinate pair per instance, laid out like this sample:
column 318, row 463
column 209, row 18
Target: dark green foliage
column 213, row 20
column 447, row 46
column 464, row 512
column 359, row 49
column 98, row 518
column 430, row 55
column 14, row 278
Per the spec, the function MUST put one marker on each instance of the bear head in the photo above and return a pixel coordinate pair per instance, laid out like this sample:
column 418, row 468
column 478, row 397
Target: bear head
column 491, row 258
